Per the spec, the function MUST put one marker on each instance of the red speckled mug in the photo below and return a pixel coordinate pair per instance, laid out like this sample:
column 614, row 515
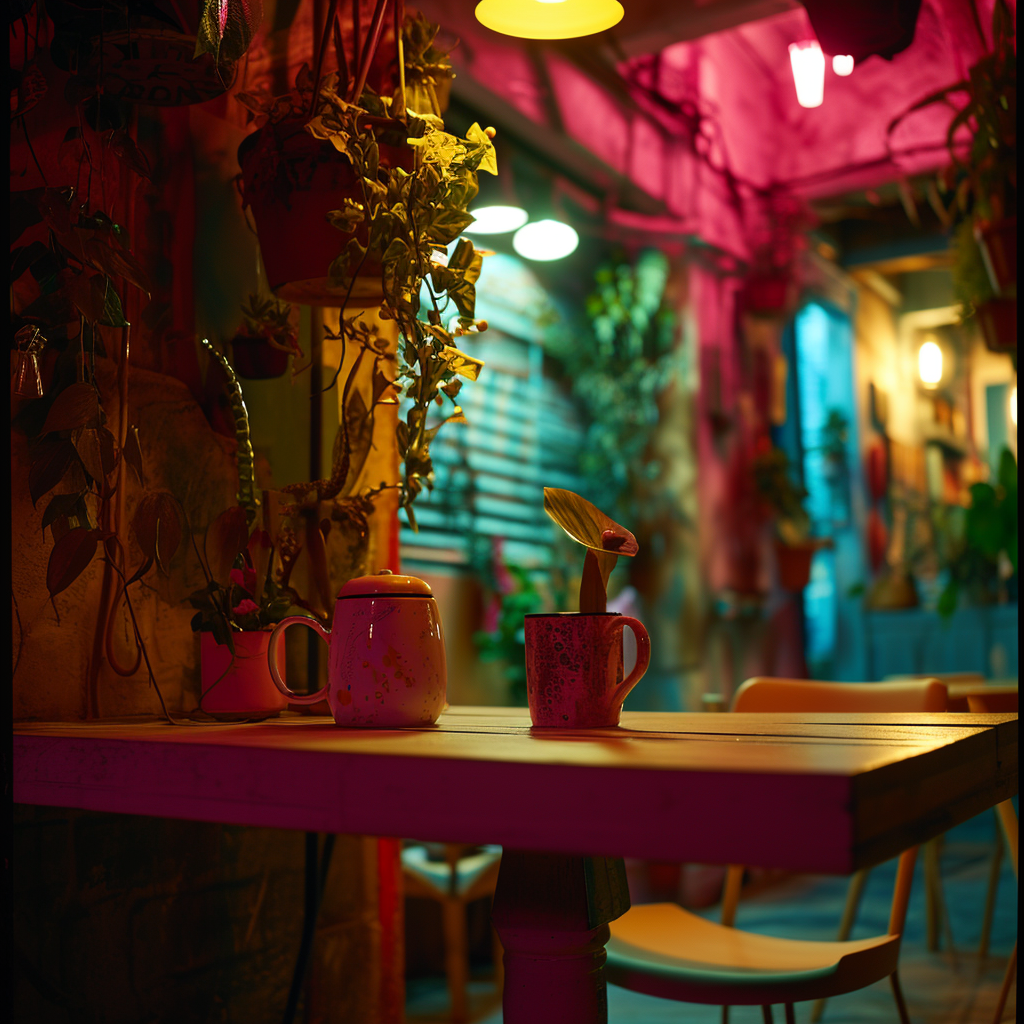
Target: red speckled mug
column 574, row 668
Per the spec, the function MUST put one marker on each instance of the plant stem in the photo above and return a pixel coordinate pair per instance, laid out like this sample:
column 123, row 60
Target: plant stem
column 332, row 13
column 370, row 48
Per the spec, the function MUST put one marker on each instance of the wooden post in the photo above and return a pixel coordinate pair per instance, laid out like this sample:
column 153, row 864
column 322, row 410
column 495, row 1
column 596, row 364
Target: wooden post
column 551, row 912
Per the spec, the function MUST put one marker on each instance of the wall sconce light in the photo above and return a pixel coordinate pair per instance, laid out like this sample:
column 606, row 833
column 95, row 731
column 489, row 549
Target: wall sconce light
column 808, row 63
column 496, row 220
column 842, row 64
column 545, row 240
column 929, row 364
column 549, row 19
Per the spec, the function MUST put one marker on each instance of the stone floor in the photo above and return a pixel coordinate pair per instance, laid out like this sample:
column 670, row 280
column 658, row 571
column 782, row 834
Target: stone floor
column 950, row 986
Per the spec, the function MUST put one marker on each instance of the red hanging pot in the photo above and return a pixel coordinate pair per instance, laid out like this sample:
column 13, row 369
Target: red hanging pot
column 793, row 562
column 257, row 359
column 877, row 470
column 292, row 181
column 768, row 294
column 998, row 245
column 998, row 321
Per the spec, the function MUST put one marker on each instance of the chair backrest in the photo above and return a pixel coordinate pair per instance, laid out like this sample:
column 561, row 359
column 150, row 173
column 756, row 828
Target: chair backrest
column 767, row 694
column 764, row 693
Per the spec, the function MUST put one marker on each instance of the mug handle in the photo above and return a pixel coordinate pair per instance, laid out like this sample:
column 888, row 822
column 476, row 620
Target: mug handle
column 275, row 638
column 643, row 658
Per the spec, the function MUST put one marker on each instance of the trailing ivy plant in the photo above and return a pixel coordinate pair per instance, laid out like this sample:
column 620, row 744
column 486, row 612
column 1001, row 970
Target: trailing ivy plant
column 404, row 223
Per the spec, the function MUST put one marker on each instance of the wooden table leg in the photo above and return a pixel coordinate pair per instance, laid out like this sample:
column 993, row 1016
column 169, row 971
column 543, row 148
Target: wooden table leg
column 551, row 912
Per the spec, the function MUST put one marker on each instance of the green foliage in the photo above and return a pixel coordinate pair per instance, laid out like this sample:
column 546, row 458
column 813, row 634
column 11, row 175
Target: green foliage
column 982, row 537
column 617, row 366
column 274, row 321
column 776, row 482
column 513, row 593
column 405, row 219
column 971, row 283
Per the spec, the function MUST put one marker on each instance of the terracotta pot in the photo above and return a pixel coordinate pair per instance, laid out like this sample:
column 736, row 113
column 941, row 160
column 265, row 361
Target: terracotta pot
column 877, row 539
column 794, row 564
column 998, row 245
column 877, row 470
column 257, row 359
column 241, row 688
column 292, row 181
column 998, row 321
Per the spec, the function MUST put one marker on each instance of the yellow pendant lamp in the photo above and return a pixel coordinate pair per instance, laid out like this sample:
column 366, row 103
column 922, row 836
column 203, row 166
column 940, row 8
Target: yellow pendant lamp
column 548, row 19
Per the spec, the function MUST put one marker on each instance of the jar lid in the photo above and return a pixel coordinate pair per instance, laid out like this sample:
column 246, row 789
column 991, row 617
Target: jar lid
column 385, row 582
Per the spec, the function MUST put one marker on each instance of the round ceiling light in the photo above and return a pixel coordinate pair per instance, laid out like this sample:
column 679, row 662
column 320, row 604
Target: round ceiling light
column 808, row 63
column 549, row 19
column 545, row 240
column 842, row 64
column 496, row 220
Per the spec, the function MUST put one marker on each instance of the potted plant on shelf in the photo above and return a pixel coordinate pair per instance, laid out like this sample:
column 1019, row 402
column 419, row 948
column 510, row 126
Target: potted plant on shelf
column 983, row 559
column 241, row 601
column 983, row 182
column 794, row 545
column 269, row 334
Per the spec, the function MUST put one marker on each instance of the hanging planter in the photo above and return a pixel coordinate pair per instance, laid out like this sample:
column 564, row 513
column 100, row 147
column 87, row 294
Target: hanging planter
column 793, row 562
column 998, row 321
column 239, row 686
column 291, row 180
column 147, row 55
column 998, row 245
column 769, row 294
column 257, row 359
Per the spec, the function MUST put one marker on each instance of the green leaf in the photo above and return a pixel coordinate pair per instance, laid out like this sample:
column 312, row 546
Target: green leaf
column 157, row 525
column 587, row 524
column 133, row 454
column 96, row 449
column 1007, row 474
column 948, row 600
column 76, row 406
column 61, row 506
column 69, row 558
column 227, row 27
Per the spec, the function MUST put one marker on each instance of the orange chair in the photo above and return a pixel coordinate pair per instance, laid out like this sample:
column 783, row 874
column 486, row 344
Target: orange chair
column 465, row 874
column 664, row 950
column 980, row 703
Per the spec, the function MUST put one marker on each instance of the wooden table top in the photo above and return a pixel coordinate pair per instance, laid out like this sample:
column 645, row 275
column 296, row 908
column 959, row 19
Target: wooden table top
column 811, row 792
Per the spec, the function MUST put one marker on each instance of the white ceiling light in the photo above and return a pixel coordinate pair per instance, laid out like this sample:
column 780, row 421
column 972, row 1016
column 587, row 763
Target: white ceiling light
column 808, row 63
column 842, row 64
column 545, row 240
column 496, row 220
column 929, row 364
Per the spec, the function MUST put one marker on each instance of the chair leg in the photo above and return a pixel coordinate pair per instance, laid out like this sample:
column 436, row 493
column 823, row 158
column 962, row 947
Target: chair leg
column 790, row 1014
column 853, row 895
column 1011, row 973
column 456, row 957
column 897, row 992
column 936, row 918
column 766, row 1013
column 499, row 961
column 995, row 866
column 725, row 1015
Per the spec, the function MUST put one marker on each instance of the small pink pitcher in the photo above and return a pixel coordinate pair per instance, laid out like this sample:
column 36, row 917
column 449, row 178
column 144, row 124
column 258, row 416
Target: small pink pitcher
column 386, row 660
column 574, row 668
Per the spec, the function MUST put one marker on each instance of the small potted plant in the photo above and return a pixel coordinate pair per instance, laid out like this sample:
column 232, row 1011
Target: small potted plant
column 983, row 182
column 794, row 545
column 235, row 613
column 574, row 670
column 269, row 334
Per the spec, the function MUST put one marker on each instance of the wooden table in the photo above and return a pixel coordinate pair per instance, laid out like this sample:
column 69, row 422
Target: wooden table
column 819, row 793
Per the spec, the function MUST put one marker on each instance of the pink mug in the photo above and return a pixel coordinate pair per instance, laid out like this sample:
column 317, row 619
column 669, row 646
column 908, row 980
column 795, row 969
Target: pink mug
column 386, row 657
column 574, row 668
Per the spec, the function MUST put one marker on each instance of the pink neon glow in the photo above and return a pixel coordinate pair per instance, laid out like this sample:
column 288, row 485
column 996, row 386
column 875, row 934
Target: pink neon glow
column 808, row 64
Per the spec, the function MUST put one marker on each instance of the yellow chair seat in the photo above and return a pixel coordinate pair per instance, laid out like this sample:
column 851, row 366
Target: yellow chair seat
column 653, row 948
